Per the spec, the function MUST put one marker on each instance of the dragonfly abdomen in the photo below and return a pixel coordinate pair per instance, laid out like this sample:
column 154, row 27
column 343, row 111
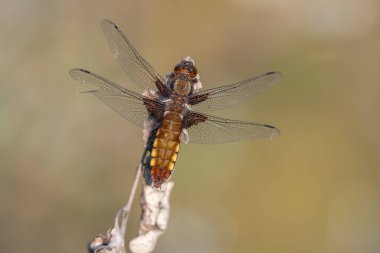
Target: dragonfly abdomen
column 165, row 148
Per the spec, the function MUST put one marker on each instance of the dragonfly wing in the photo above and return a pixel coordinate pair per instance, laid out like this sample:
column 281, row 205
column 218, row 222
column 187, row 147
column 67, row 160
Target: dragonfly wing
column 208, row 129
column 233, row 94
column 128, row 104
column 132, row 63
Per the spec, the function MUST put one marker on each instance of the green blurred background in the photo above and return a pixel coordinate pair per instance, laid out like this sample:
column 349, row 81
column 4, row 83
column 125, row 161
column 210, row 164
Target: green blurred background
column 67, row 160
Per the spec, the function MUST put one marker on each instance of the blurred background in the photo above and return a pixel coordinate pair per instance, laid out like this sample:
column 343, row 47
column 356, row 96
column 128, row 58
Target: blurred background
column 67, row 161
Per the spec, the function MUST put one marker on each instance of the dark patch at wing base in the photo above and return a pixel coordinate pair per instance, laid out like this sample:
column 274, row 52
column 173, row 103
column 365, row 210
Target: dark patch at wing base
column 193, row 100
column 163, row 89
column 193, row 118
column 156, row 108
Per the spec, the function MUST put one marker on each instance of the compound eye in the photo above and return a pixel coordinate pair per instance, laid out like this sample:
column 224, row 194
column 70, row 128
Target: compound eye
column 193, row 72
column 179, row 68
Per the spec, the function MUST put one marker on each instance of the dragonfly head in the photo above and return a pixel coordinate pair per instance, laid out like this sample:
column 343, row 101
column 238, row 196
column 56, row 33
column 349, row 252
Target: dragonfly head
column 185, row 73
column 186, row 67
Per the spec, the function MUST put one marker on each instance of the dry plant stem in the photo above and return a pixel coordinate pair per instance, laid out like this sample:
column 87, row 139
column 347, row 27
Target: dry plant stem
column 128, row 206
column 114, row 240
column 154, row 219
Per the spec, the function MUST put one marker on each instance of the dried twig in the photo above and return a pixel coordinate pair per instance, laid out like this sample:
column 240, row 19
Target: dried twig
column 155, row 215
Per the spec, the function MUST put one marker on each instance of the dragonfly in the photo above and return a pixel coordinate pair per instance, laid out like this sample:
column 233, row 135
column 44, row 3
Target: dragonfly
column 173, row 108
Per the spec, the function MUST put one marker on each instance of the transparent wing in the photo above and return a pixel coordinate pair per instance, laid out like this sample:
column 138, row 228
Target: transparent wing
column 216, row 130
column 233, row 94
column 135, row 66
column 127, row 103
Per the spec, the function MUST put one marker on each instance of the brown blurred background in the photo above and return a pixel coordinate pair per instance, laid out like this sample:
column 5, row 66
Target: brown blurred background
column 67, row 160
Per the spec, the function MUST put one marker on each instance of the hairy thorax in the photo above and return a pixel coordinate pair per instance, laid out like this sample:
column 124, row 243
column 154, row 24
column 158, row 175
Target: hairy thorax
column 177, row 104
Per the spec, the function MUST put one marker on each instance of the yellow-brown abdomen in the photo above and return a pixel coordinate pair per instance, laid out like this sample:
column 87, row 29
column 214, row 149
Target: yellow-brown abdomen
column 165, row 148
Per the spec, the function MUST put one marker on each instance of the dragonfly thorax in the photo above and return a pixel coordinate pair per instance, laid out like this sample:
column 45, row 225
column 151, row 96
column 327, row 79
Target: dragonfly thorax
column 182, row 85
